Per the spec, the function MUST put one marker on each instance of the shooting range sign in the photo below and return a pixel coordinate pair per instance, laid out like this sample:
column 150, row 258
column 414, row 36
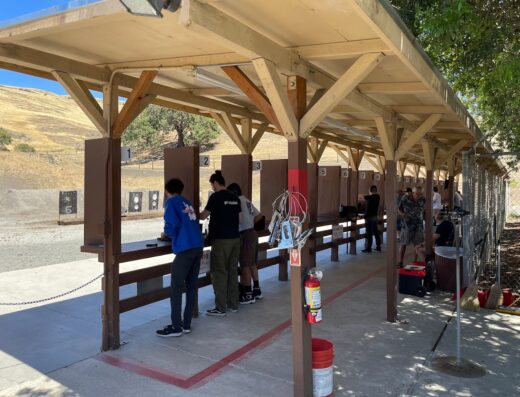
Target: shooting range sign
column 153, row 200
column 68, row 202
column 257, row 165
column 337, row 232
column 377, row 177
column 203, row 161
column 407, row 179
column 205, row 262
column 294, row 257
column 126, row 153
column 135, row 202
column 323, row 171
column 362, row 175
column 344, row 173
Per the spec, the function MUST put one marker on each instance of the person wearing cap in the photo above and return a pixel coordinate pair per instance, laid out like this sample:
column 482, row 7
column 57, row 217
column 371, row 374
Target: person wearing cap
column 412, row 211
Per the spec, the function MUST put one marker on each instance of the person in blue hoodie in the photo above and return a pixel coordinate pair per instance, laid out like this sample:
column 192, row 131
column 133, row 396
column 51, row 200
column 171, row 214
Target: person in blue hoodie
column 182, row 226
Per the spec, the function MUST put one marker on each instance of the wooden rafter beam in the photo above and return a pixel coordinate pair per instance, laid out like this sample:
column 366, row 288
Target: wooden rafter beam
column 420, row 109
column 262, row 128
column 430, row 154
column 134, row 103
column 451, row 153
column 225, row 122
column 80, row 93
column 341, row 50
column 393, row 88
column 386, row 137
column 373, row 162
column 252, row 92
column 417, row 135
column 321, row 150
column 272, row 84
column 341, row 154
column 335, row 94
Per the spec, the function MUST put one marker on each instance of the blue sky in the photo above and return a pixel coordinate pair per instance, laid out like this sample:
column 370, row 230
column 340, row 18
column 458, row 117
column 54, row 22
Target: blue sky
column 16, row 8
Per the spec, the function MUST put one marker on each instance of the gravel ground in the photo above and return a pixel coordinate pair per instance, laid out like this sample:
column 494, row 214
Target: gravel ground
column 26, row 245
column 509, row 260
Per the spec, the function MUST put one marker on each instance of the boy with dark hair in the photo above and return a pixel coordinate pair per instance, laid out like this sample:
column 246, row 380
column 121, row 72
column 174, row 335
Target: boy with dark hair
column 248, row 249
column 182, row 226
column 224, row 208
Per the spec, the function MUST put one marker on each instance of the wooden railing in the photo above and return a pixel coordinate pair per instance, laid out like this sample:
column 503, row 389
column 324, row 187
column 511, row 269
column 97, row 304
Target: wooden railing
column 152, row 248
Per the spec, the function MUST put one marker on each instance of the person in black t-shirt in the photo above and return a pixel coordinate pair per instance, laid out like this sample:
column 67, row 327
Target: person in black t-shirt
column 443, row 236
column 372, row 209
column 224, row 208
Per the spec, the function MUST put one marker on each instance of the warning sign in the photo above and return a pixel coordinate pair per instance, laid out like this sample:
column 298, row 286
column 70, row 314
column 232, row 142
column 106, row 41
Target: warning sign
column 294, row 259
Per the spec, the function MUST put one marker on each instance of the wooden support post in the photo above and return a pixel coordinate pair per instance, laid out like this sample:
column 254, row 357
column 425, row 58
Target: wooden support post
column 112, row 246
column 353, row 199
column 391, row 236
column 298, row 181
column 428, row 191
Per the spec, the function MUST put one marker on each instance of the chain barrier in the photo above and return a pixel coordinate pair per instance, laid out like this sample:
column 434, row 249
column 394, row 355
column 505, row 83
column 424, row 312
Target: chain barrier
column 52, row 297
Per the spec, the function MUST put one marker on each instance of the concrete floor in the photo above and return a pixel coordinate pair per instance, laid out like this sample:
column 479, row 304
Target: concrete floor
column 52, row 349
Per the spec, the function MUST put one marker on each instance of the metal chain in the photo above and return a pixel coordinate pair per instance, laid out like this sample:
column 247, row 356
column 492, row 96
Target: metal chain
column 52, row 297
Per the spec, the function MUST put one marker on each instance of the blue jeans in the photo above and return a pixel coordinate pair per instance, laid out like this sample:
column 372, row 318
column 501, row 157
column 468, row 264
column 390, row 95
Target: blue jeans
column 185, row 271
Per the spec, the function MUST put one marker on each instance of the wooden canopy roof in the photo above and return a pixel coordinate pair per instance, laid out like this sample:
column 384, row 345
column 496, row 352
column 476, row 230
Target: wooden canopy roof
column 231, row 59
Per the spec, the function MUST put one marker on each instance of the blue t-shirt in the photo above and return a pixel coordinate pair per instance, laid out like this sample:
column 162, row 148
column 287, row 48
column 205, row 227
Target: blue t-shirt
column 182, row 225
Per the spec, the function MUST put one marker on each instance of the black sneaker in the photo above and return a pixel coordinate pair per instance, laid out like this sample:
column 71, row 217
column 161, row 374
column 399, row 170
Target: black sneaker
column 378, row 249
column 186, row 330
column 247, row 299
column 169, row 331
column 215, row 312
column 257, row 294
column 366, row 251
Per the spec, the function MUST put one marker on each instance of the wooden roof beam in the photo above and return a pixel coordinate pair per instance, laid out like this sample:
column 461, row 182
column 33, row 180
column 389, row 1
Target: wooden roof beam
column 454, row 150
column 252, row 92
column 341, row 50
column 335, row 94
column 135, row 104
column 417, row 135
column 82, row 96
column 272, row 84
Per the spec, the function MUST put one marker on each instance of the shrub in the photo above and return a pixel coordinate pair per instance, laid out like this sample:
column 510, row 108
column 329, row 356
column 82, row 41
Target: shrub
column 5, row 137
column 25, row 148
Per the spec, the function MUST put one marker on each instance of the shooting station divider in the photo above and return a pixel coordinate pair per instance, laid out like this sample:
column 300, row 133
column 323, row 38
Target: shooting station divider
column 183, row 163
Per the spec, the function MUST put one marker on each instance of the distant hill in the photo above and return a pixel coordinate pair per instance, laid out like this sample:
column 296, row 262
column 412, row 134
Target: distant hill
column 57, row 128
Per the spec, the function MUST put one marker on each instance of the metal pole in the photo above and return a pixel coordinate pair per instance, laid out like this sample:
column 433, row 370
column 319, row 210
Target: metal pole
column 457, row 272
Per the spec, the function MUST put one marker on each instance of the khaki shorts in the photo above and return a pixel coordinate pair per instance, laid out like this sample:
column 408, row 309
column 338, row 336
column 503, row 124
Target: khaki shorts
column 413, row 235
column 248, row 248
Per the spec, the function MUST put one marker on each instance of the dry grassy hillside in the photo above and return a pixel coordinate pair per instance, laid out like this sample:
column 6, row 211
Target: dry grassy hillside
column 56, row 127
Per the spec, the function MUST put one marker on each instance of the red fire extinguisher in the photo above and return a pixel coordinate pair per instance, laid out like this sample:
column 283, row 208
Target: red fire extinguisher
column 312, row 286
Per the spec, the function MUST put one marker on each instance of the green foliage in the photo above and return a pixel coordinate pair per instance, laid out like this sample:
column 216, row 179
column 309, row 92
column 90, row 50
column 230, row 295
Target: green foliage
column 149, row 129
column 24, row 148
column 5, row 137
column 476, row 46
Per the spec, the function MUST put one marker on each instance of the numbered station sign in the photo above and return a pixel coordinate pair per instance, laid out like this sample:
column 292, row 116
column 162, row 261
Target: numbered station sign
column 204, row 161
column 135, row 202
column 323, row 171
column 377, row 177
column 344, row 173
column 362, row 175
column 257, row 165
column 153, row 200
column 126, row 153
column 68, row 202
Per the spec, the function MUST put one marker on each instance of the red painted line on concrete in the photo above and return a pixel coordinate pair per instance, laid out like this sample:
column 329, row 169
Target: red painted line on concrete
column 211, row 371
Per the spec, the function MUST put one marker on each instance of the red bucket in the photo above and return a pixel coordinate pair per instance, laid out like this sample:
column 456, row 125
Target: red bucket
column 322, row 367
column 508, row 297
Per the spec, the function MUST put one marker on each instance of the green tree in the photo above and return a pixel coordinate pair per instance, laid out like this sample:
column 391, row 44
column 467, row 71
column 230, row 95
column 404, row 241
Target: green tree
column 141, row 134
column 191, row 129
column 5, row 137
column 476, row 46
